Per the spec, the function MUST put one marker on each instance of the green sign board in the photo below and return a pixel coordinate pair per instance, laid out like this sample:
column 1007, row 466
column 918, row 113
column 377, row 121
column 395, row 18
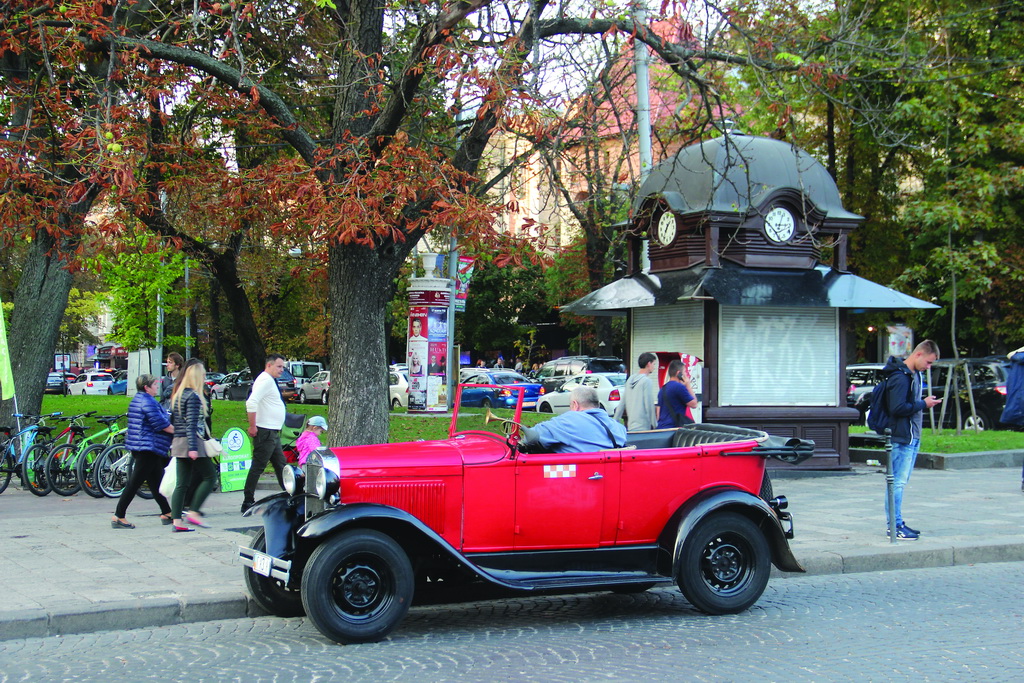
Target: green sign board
column 236, row 459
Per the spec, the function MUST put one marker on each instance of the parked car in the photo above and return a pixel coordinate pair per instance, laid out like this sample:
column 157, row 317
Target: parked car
column 607, row 384
column 553, row 373
column 501, row 397
column 219, row 389
column 57, row 382
column 316, row 388
column 92, row 383
column 241, row 386
column 861, row 378
column 398, row 389
column 303, row 370
column 213, row 378
column 988, row 385
column 120, row 383
column 360, row 529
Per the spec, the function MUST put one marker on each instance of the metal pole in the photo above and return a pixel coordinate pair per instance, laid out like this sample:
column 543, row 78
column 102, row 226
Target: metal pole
column 642, row 60
column 188, row 317
column 890, row 486
column 453, row 361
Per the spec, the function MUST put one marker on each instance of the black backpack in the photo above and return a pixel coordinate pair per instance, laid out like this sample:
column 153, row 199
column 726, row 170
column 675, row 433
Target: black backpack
column 878, row 412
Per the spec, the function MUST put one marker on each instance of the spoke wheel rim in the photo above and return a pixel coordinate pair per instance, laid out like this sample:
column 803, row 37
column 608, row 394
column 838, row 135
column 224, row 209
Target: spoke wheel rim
column 726, row 564
column 362, row 587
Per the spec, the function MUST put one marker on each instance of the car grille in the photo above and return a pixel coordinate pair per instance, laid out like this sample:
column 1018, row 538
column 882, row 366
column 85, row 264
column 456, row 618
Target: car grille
column 314, row 506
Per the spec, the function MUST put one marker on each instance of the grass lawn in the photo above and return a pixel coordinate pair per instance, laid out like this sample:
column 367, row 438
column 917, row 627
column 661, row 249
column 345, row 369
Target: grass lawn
column 405, row 427
column 947, row 441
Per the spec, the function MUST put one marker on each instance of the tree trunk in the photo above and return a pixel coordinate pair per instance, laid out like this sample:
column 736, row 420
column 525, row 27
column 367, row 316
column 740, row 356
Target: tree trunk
column 220, row 356
column 361, row 285
column 250, row 343
column 39, row 304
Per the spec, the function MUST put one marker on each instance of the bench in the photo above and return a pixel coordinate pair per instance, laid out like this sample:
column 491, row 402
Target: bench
column 692, row 435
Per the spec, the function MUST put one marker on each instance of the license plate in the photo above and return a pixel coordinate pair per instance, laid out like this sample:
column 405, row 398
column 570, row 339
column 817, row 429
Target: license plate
column 261, row 563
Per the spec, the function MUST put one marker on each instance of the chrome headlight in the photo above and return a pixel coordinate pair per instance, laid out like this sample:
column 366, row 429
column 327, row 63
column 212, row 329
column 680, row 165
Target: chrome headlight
column 294, row 479
column 327, row 484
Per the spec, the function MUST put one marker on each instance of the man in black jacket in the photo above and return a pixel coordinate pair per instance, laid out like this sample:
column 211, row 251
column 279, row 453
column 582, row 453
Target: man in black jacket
column 906, row 410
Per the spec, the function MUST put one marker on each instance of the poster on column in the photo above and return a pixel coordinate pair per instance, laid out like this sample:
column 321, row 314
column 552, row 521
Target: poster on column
column 428, row 350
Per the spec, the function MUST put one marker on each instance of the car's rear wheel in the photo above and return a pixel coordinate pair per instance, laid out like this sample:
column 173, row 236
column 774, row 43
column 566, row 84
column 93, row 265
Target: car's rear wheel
column 395, row 404
column 271, row 594
column 724, row 565
column 486, row 403
column 980, row 418
column 357, row 586
column 545, row 408
column 110, row 392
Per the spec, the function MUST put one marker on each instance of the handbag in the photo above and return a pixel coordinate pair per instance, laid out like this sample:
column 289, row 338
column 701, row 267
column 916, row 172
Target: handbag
column 170, row 479
column 212, row 446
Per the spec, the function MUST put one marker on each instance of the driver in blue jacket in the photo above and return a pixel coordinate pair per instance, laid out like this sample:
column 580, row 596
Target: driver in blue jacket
column 584, row 429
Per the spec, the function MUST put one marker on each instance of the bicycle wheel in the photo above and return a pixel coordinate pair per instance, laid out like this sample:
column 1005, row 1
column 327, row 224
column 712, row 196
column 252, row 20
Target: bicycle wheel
column 60, row 469
column 112, row 470
column 33, row 470
column 85, row 469
column 7, row 469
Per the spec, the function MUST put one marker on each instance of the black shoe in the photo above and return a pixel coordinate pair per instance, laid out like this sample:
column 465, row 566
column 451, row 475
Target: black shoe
column 246, row 504
column 913, row 531
column 905, row 533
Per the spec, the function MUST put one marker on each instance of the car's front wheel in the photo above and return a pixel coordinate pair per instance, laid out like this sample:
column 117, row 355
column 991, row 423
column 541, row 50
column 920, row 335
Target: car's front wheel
column 271, row 594
column 357, row 586
column 302, row 396
column 545, row 408
column 395, row 403
column 725, row 564
column 324, row 398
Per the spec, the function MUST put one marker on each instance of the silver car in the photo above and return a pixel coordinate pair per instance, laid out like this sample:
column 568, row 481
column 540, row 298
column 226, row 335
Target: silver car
column 316, row 388
column 607, row 384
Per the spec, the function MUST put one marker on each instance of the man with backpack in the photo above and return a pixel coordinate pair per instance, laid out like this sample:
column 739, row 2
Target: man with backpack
column 904, row 408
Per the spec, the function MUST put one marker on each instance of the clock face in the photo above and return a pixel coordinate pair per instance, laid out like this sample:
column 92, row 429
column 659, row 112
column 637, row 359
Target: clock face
column 667, row 228
column 779, row 225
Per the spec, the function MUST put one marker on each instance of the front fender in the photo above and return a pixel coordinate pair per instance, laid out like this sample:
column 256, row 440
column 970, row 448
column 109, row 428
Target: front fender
column 754, row 508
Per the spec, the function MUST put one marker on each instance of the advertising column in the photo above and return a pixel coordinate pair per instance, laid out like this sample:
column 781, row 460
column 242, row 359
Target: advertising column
column 427, row 344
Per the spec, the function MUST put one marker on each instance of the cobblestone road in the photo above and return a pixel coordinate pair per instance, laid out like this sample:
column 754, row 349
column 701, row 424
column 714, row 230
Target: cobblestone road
column 954, row 623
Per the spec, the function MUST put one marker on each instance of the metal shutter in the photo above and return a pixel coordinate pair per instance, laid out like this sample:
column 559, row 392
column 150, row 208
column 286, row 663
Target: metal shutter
column 667, row 328
column 778, row 356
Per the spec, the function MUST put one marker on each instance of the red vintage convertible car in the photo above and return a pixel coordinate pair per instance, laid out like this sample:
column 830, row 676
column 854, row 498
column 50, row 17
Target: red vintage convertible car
column 364, row 527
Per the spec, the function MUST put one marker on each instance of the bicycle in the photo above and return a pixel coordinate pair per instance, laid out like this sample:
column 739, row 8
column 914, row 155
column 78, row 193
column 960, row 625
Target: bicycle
column 22, row 453
column 85, row 465
column 113, row 470
column 61, row 460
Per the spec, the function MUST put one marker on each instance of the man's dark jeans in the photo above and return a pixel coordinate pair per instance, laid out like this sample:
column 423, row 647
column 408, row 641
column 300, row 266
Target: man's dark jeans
column 266, row 447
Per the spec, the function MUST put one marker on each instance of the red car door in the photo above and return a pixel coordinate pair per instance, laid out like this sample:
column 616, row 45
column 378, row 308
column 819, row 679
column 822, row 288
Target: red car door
column 562, row 499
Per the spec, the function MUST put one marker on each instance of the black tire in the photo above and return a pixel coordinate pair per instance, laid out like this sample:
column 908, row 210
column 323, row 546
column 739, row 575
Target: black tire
column 7, row 469
column 110, row 392
column 85, row 471
column 324, row 398
column 33, row 470
column 111, row 470
column 395, row 404
column 486, row 403
column 302, row 396
column 271, row 594
column 545, row 408
column 60, row 470
column 357, row 586
column 724, row 565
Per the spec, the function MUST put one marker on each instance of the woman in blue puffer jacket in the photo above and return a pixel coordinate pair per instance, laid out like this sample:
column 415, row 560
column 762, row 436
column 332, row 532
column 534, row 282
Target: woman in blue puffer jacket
column 148, row 438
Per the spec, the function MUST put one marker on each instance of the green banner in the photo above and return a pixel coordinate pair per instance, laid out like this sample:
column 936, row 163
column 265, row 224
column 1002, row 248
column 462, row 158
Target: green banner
column 236, row 459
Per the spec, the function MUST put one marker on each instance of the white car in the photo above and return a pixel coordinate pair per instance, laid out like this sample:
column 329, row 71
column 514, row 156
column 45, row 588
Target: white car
column 220, row 389
column 316, row 388
column 398, row 389
column 92, row 383
column 608, row 385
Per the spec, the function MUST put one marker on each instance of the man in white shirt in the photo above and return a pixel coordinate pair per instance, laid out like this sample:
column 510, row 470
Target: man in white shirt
column 266, row 411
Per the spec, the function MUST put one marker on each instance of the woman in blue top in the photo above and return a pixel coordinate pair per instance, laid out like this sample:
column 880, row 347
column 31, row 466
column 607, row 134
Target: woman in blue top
column 676, row 397
column 148, row 439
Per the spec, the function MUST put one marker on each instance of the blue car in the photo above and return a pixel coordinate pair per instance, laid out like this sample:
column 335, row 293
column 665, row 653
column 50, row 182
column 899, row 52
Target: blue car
column 120, row 384
column 486, row 397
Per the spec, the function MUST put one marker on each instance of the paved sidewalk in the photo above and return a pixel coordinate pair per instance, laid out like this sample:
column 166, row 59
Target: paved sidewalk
column 66, row 571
